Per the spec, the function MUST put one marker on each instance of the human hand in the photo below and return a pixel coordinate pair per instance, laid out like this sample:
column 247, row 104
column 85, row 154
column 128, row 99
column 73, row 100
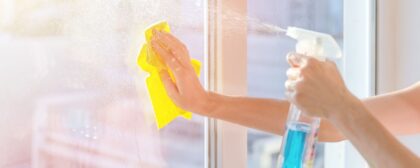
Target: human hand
column 186, row 91
column 316, row 87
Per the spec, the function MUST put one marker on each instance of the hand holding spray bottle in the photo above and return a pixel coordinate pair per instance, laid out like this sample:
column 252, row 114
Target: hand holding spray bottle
column 300, row 136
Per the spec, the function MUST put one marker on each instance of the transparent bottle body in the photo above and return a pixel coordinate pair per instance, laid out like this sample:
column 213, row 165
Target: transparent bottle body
column 300, row 137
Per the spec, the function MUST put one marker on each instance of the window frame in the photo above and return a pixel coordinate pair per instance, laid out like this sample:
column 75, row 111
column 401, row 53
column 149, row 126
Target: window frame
column 359, row 49
column 226, row 142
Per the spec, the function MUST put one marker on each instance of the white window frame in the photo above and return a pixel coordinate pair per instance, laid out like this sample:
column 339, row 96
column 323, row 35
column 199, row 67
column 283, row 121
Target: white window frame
column 359, row 57
column 226, row 67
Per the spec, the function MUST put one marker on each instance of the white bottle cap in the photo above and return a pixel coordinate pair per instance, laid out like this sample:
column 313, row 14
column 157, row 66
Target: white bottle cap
column 315, row 44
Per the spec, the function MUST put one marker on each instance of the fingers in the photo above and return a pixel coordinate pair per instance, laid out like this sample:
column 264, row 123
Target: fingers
column 171, row 61
column 174, row 46
column 290, row 91
column 170, row 39
column 169, row 85
column 293, row 73
column 290, row 85
column 294, row 59
column 293, row 88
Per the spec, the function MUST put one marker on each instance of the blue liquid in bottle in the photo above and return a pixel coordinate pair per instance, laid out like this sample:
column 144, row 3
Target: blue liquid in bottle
column 295, row 144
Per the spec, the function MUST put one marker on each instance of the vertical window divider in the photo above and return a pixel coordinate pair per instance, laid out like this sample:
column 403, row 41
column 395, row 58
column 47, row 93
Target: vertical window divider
column 359, row 71
column 225, row 65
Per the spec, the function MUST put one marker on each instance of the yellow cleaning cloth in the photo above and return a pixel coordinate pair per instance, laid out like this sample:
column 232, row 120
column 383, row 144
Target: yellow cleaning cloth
column 149, row 61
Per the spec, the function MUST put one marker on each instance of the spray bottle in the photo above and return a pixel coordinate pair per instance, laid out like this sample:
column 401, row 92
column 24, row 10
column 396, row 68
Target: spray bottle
column 300, row 137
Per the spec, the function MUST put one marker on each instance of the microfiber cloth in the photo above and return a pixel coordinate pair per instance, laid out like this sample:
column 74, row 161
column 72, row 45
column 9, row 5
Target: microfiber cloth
column 164, row 108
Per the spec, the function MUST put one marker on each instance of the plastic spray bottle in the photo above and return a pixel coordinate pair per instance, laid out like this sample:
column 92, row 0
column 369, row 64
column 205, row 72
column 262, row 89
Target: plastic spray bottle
column 300, row 137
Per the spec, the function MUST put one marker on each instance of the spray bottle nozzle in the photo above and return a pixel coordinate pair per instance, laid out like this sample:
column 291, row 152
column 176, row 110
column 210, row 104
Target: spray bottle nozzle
column 315, row 44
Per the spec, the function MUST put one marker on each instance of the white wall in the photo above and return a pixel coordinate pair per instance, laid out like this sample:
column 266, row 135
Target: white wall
column 407, row 57
column 407, row 43
column 398, row 42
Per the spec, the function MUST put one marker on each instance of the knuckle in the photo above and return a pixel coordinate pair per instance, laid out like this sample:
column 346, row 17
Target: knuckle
column 310, row 62
column 184, row 49
column 304, row 71
column 174, row 52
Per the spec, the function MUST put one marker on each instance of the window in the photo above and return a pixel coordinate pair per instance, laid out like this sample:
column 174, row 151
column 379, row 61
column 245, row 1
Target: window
column 71, row 93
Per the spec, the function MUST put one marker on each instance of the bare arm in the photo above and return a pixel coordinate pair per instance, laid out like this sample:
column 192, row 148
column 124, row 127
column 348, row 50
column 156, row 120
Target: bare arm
column 399, row 111
column 379, row 147
column 264, row 114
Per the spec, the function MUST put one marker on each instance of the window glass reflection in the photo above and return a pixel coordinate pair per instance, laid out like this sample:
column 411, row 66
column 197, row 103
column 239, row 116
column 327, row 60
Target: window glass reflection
column 72, row 94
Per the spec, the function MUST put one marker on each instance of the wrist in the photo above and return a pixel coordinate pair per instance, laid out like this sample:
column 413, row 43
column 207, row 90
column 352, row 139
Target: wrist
column 208, row 104
column 346, row 106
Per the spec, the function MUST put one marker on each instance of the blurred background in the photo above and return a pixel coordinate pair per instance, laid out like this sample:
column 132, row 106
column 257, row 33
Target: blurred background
column 71, row 93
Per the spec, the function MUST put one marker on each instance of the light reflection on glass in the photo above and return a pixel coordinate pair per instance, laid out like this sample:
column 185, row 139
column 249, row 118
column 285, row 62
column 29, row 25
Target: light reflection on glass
column 72, row 94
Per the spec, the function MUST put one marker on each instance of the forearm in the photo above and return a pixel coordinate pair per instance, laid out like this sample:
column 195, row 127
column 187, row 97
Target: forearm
column 264, row 114
column 371, row 138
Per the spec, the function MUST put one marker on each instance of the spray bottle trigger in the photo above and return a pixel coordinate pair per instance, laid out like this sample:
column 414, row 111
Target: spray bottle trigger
column 312, row 48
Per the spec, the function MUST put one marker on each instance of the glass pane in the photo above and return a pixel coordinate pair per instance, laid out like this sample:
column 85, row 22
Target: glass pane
column 72, row 94
column 267, row 58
